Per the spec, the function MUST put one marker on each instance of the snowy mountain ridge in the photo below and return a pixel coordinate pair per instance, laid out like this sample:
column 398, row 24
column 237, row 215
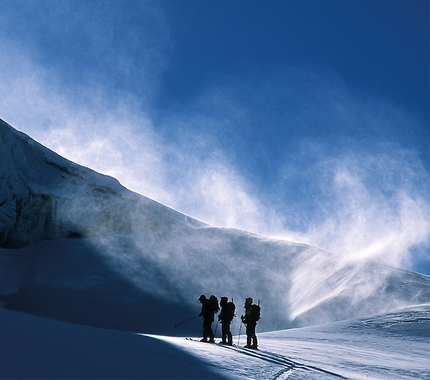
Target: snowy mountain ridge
column 45, row 196
column 72, row 237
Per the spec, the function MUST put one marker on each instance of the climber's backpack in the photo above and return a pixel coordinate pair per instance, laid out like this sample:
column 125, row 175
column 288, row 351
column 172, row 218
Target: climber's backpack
column 213, row 302
column 230, row 309
column 255, row 312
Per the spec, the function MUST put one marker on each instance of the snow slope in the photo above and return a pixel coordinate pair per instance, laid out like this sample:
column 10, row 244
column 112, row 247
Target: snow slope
column 38, row 348
column 389, row 346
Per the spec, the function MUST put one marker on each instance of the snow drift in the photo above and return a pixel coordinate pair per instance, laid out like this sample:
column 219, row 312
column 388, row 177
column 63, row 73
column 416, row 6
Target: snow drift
column 78, row 246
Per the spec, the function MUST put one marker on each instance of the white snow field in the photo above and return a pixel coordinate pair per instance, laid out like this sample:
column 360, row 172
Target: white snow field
column 388, row 346
column 94, row 279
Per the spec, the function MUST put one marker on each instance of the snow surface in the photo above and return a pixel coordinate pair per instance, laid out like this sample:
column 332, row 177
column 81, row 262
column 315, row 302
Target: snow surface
column 389, row 346
column 114, row 272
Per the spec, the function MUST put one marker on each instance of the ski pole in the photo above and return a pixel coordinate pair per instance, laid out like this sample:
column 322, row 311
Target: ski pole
column 240, row 329
column 190, row 319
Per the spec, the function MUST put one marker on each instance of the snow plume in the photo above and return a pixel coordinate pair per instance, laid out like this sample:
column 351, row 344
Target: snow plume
column 371, row 205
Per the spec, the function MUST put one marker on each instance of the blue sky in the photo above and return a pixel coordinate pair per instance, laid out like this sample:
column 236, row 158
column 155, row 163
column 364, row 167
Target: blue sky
column 307, row 120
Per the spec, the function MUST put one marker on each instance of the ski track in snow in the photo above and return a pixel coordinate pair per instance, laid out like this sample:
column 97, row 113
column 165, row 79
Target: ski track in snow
column 269, row 365
column 289, row 365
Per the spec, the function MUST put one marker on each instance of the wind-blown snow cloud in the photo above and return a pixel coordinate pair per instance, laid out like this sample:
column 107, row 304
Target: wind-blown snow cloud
column 371, row 205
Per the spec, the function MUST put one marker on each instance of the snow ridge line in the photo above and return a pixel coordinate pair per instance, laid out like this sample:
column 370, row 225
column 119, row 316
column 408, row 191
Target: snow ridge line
column 280, row 359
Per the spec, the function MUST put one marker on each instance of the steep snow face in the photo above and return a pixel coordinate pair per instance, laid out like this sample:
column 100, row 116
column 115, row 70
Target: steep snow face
column 44, row 196
column 88, row 250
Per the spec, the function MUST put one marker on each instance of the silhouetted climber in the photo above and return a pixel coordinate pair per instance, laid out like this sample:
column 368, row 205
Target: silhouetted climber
column 226, row 316
column 209, row 308
column 252, row 315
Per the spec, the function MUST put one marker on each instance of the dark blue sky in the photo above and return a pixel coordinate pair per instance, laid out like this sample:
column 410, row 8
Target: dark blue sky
column 302, row 119
column 377, row 46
